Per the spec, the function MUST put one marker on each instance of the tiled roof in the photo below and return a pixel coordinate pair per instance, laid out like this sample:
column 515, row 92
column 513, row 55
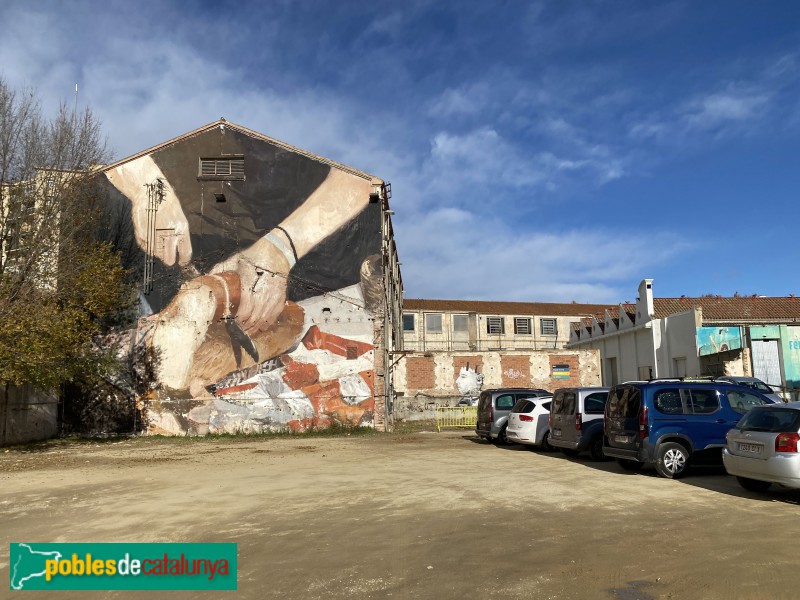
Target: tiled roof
column 550, row 309
column 718, row 308
column 613, row 311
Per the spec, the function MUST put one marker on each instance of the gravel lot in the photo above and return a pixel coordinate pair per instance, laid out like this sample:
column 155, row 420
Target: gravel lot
column 422, row 515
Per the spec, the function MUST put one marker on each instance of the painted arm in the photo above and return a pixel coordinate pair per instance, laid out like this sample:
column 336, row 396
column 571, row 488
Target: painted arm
column 170, row 230
column 263, row 267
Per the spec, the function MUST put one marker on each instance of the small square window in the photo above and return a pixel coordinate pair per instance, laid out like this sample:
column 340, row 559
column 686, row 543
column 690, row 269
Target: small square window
column 409, row 322
column 548, row 326
column 433, row 322
column 522, row 326
column 460, row 323
column 495, row 325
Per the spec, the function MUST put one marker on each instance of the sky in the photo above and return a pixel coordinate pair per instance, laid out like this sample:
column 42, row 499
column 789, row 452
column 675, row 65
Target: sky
column 551, row 151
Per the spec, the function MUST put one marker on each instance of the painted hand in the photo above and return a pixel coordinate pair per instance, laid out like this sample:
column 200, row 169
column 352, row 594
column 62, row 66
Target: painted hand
column 263, row 272
column 163, row 232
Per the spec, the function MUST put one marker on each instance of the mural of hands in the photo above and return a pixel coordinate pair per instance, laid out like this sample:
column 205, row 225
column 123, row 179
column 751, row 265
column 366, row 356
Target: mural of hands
column 173, row 244
column 263, row 271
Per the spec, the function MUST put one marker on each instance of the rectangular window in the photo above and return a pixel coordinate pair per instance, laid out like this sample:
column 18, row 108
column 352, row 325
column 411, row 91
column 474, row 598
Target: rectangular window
column 409, row 322
column 522, row 326
column 222, row 168
column 704, row 402
column 669, row 402
column 433, row 322
column 460, row 323
column 548, row 326
column 495, row 325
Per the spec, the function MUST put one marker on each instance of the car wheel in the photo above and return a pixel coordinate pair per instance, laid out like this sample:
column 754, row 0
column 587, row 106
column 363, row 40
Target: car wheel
column 753, row 485
column 570, row 452
column 672, row 460
column 630, row 465
column 502, row 437
column 546, row 445
column 596, row 449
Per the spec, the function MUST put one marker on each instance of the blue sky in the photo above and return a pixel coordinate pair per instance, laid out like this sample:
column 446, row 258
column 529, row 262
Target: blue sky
column 538, row 151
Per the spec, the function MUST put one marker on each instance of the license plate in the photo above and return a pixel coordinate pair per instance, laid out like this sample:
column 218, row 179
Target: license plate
column 621, row 438
column 752, row 448
column 556, row 433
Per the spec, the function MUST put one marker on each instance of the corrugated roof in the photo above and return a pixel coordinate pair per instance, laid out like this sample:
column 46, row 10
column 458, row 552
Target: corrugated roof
column 550, row 309
column 718, row 308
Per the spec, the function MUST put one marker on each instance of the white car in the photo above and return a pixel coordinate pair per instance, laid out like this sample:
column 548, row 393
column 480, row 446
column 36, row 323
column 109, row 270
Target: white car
column 528, row 422
column 764, row 447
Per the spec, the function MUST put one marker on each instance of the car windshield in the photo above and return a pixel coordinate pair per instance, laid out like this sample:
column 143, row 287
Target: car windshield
column 761, row 387
column 775, row 420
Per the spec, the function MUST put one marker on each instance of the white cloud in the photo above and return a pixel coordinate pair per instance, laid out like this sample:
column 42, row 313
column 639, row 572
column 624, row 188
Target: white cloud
column 732, row 105
column 453, row 253
column 464, row 100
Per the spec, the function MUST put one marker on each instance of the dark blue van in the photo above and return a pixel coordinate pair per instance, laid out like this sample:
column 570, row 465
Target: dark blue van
column 668, row 423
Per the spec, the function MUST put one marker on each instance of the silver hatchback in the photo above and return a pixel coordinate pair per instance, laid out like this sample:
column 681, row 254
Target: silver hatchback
column 764, row 447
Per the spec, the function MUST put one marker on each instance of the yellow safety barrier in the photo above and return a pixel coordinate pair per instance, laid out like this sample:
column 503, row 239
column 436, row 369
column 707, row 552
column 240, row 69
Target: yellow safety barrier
column 456, row 416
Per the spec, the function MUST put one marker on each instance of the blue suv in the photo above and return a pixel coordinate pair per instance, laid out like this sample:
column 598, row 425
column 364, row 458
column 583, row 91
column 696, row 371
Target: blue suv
column 667, row 423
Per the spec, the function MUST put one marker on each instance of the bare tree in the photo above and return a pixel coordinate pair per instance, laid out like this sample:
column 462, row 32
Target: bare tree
column 60, row 281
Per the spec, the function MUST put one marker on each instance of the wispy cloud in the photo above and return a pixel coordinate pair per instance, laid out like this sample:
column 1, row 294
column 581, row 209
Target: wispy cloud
column 482, row 258
column 495, row 125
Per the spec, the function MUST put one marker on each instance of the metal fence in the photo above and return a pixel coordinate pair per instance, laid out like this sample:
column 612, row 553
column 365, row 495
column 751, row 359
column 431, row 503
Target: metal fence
column 465, row 417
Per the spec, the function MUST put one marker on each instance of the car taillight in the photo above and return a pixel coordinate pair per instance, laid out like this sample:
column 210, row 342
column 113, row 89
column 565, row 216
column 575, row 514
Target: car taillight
column 550, row 420
column 643, row 423
column 786, row 442
column 525, row 418
column 491, row 413
column 578, row 421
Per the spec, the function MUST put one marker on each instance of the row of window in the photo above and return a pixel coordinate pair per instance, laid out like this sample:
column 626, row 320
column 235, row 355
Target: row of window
column 702, row 402
column 494, row 325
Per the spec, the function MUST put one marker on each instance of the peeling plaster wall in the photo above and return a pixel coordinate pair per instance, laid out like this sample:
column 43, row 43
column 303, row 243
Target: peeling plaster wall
column 424, row 379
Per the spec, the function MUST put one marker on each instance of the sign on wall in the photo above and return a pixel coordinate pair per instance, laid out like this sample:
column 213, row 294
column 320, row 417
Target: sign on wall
column 791, row 356
column 561, row 372
column 711, row 340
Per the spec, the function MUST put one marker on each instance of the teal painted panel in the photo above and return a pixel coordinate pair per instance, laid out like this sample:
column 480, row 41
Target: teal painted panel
column 768, row 332
column 791, row 355
column 711, row 340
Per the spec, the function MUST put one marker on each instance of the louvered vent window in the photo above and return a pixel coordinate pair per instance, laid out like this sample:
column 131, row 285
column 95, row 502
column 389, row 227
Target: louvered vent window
column 222, row 167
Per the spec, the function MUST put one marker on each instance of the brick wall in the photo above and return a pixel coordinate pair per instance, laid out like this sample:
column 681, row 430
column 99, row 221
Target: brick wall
column 474, row 362
column 571, row 361
column 419, row 373
column 516, row 371
column 422, row 381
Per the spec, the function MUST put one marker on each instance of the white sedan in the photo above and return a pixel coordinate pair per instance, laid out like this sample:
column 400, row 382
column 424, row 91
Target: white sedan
column 528, row 422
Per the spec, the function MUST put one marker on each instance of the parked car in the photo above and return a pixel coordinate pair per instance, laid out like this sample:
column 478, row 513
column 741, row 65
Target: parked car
column 528, row 422
column 468, row 401
column 763, row 447
column 668, row 423
column 494, row 406
column 755, row 383
column 576, row 420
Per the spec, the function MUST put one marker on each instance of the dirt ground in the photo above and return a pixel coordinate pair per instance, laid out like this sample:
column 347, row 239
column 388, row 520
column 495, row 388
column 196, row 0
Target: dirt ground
column 420, row 515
